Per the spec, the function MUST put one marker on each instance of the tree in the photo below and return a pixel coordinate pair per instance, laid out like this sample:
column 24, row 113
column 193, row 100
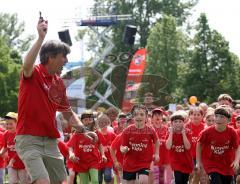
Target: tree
column 9, row 79
column 11, row 32
column 163, row 51
column 165, row 46
column 211, row 67
column 11, row 49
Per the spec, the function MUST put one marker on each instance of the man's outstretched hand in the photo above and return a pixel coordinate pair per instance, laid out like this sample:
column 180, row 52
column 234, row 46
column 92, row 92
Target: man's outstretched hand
column 91, row 135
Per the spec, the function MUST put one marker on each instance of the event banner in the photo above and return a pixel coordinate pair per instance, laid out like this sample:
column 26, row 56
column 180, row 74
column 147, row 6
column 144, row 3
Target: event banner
column 134, row 79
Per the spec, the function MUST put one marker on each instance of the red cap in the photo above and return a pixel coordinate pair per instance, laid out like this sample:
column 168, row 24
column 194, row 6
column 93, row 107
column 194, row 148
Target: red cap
column 159, row 110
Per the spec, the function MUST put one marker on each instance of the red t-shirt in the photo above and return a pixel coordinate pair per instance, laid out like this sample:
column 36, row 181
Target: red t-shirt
column 181, row 158
column 116, row 146
column 195, row 130
column 218, row 150
column 63, row 148
column 106, row 141
column 118, row 130
column 2, row 130
column 233, row 120
column 2, row 160
column 163, row 152
column 114, row 123
column 36, row 112
column 238, row 134
column 87, row 152
column 65, row 152
column 140, row 142
column 9, row 143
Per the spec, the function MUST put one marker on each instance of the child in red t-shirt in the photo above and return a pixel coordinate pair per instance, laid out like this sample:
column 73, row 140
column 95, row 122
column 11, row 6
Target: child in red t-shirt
column 237, row 121
column 235, row 113
column 179, row 144
column 106, row 137
column 161, row 171
column 112, row 113
column 137, row 146
column 195, row 126
column 120, row 123
column 209, row 118
column 85, row 154
column 220, row 146
column 2, row 158
column 116, row 154
column 226, row 99
column 16, row 168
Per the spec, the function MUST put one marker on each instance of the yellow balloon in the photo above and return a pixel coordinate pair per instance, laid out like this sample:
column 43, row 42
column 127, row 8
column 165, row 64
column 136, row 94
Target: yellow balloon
column 193, row 100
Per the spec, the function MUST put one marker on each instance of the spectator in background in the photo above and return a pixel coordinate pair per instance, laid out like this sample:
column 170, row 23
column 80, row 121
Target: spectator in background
column 225, row 99
column 148, row 101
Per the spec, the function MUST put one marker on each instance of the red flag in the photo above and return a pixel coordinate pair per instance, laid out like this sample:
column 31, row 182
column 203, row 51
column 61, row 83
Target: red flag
column 134, row 78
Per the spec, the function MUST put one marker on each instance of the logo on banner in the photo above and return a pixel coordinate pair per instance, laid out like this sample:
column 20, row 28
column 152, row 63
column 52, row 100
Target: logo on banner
column 138, row 59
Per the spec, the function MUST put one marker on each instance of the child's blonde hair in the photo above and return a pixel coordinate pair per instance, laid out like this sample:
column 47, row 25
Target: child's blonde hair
column 225, row 97
column 178, row 115
column 102, row 118
column 195, row 109
column 11, row 115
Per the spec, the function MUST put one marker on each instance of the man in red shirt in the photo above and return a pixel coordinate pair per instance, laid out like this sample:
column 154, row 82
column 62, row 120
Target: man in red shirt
column 220, row 146
column 36, row 133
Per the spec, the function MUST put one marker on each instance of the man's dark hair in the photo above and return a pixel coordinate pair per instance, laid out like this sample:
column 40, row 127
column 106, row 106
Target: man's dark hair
column 52, row 48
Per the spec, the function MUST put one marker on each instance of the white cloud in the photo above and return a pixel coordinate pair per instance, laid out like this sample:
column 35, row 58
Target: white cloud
column 223, row 16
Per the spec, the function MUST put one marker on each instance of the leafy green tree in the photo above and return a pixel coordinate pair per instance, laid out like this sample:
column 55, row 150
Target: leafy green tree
column 9, row 79
column 166, row 51
column 163, row 51
column 11, row 31
column 12, row 46
column 211, row 67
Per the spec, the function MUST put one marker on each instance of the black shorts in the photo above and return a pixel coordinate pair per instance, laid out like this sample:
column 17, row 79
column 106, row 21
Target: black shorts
column 133, row 175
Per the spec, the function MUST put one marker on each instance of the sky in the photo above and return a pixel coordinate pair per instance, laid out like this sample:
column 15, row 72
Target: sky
column 222, row 16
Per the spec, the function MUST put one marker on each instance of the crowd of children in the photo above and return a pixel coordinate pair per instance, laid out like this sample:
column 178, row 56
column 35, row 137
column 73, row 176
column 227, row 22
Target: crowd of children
column 197, row 144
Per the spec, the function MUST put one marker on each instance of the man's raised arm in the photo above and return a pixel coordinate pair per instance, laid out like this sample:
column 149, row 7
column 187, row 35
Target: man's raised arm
column 31, row 56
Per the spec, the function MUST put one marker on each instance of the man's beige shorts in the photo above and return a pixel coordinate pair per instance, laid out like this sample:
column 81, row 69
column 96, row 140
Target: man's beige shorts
column 41, row 157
